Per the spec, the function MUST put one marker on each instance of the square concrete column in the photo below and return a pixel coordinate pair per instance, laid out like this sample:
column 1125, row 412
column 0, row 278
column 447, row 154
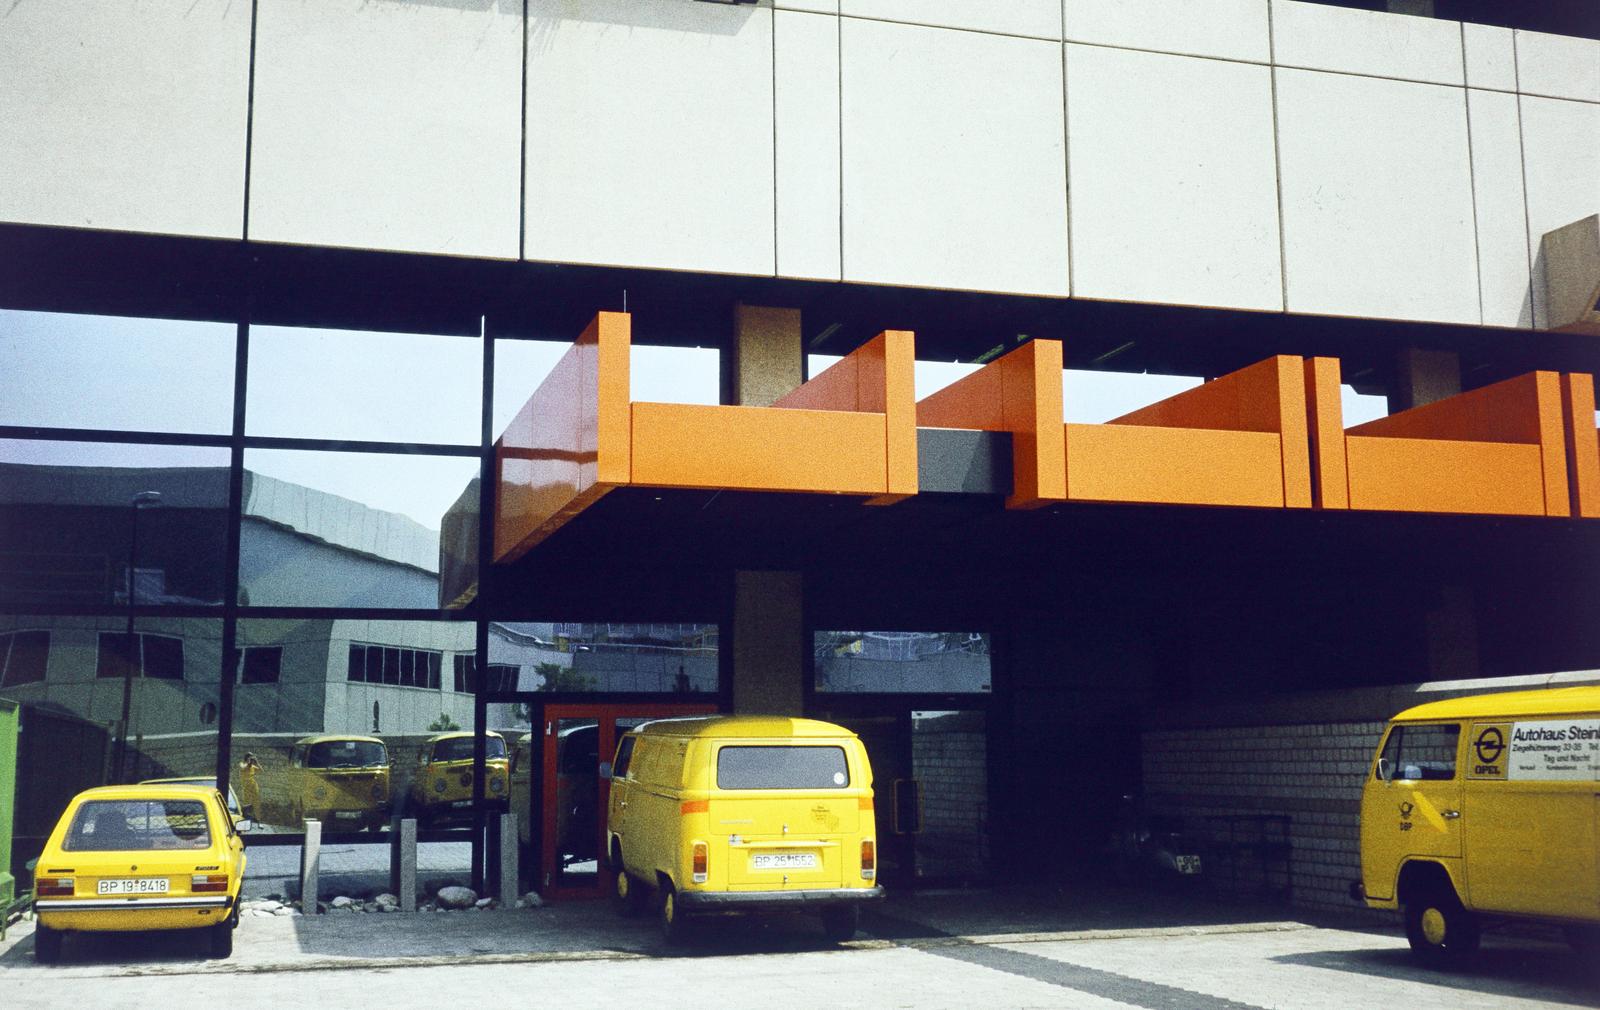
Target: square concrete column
column 1423, row 377
column 508, row 860
column 310, row 860
column 769, row 645
column 406, row 868
column 765, row 357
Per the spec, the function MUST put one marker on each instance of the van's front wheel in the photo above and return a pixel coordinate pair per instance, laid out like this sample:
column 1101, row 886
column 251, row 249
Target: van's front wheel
column 1442, row 933
column 629, row 895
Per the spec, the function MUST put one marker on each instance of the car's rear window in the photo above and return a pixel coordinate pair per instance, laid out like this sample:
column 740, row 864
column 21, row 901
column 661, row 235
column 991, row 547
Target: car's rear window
column 460, row 749
column 348, row 754
column 742, row 767
column 116, row 825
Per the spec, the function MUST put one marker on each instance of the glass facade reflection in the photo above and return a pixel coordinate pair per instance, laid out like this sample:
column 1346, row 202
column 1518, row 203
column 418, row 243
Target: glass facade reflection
column 607, row 658
column 901, row 662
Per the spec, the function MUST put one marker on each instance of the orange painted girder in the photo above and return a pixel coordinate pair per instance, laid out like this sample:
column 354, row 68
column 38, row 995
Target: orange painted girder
column 758, row 449
column 1445, row 475
column 1181, row 466
column 1583, row 443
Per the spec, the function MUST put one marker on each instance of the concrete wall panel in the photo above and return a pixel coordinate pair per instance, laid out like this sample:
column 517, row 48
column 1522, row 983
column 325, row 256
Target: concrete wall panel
column 954, row 168
column 1321, row 37
column 1034, row 18
column 650, row 134
column 125, row 115
column 1377, row 198
column 1558, row 66
column 1561, row 152
column 388, row 125
column 1227, row 29
column 1174, row 196
column 1502, row 219
column 806, row 51
column 1491, row 57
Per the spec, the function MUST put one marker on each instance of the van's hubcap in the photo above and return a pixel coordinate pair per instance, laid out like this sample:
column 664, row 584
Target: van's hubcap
column 667, row 908
column 622, row 885
column 1433, row 926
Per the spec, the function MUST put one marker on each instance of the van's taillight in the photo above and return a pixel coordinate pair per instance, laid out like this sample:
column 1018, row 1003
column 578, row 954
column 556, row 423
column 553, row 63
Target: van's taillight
column 700, row 859
column 55, row 887
column 203, row 882
column 869, row 859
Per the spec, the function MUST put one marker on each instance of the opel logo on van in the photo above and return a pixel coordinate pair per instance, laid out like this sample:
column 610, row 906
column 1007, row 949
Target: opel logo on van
column 1491, row 743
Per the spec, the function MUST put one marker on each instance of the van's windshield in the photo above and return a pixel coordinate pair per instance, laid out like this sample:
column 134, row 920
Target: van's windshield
column 346, row 754
column 459, row 748
column 746, row 767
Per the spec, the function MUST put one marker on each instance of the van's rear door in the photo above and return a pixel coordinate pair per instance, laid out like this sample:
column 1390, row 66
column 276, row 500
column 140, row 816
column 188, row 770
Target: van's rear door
column 787, row 814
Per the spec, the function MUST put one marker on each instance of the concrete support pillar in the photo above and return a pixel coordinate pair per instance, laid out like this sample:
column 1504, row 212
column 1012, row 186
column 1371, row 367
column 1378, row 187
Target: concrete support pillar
column 310, row 860
column 1421, row 377
column 769, row 646
column 406, row 866
column 508, row 860
column 765, row 358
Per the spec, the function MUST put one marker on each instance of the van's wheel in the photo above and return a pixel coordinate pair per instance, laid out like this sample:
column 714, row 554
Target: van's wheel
column 1585, row 940
column 674, row 929
column 46, row 944
column 1442, row 933
column 840, row 924
column 629, row 895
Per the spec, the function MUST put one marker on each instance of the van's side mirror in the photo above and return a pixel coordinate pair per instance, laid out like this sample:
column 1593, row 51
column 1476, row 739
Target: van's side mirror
column 1385, row 770
column 605, row 770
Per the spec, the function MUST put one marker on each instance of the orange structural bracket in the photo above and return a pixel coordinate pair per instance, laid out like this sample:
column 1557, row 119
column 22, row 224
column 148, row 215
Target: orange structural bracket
column 851, row 430
column 1499, row 450
column 1019, row 393
column 569, row 444
column 1583, row 443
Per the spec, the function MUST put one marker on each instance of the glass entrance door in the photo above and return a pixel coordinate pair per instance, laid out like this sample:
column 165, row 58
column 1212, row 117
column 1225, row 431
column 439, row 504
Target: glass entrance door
column 579, row 742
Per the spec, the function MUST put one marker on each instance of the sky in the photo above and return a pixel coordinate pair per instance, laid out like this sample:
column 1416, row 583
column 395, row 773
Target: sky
column 162, row 375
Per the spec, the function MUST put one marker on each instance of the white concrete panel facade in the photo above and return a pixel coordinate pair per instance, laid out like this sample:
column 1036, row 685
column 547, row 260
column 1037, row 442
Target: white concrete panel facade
column 1033, row 18
column 1502, row 221
column 1174, row 196
column 954, row 161
column 1561, row 152
column 125, row 115
column 1377, row 198
column 806, row 104
column 383, row 124
column 813, row 6
column 1321, row 37
column 650, row 135
column 1491, row 57
column 1558, row 66
column 1226, row 29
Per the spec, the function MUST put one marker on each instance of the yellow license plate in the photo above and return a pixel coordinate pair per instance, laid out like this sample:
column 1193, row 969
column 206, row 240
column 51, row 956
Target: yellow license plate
column 134, row 885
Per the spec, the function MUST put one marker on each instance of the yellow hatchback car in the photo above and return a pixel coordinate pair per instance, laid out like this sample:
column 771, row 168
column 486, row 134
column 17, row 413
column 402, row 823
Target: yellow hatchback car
column 144, row 857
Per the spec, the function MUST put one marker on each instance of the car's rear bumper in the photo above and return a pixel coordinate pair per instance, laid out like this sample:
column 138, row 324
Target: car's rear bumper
column 129, row 904
column 754, row 901
column 98, row 915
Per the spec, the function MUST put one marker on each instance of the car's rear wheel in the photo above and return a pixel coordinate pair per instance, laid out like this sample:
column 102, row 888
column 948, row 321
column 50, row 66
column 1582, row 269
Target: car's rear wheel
column 46, row 944
column 840, row 924
column 220, row 938
column 674, row 929
column 1442, row 933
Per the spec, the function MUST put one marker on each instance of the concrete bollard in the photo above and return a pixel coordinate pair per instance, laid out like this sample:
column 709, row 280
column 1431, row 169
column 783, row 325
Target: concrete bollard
column 407, row 869
column 310, row 857
column 508, row 860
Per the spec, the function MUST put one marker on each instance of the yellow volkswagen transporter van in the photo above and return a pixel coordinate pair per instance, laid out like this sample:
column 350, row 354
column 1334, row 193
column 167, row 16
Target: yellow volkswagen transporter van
column 1487, row 809
column 740, row 814
column 150, row 856
column 441, row 786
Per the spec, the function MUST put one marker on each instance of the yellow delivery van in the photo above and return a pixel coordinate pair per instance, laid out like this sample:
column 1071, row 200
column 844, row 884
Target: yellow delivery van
column 717, row 814
column 1483, row 810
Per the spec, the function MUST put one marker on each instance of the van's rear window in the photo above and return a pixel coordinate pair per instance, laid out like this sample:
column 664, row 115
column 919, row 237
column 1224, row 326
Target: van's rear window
column 782, row 768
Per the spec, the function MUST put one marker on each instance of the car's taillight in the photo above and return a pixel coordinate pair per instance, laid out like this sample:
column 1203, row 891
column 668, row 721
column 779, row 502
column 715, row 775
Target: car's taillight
column 869, row 859
column 700, row 858
column 55, row 887
column 204, row 882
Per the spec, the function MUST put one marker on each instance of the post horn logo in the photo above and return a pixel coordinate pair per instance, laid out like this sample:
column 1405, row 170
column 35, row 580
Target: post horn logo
column 1405, row 810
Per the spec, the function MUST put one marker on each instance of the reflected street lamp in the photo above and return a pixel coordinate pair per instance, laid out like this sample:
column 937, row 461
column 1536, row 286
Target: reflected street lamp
column 140, row 501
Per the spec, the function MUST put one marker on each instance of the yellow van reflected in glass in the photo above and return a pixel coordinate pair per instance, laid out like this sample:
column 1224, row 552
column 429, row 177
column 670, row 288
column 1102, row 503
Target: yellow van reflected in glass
column 441, row 786
column 342, row 781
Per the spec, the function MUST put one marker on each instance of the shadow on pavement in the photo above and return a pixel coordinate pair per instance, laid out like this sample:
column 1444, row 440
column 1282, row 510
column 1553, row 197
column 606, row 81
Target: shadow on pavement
column 1537, row 971
column 167, row 947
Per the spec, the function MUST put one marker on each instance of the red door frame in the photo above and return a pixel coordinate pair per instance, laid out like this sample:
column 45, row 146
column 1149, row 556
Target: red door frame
column 606, row 715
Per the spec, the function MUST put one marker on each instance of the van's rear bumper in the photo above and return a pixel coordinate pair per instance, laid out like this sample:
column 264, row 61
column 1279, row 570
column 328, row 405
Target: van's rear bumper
column 752, row 901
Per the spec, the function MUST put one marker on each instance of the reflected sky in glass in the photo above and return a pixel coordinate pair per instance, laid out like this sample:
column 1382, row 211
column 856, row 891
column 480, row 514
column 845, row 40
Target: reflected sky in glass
column 115, row 372
column 655, row 374
column 420, row 487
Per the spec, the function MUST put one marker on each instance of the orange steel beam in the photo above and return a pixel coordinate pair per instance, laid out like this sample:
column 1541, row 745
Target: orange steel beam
column 1496, row 450
column 1583, row 443
column 1019, row 393
column 1325, row 423
column 569, row 444
column 1268, row 397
